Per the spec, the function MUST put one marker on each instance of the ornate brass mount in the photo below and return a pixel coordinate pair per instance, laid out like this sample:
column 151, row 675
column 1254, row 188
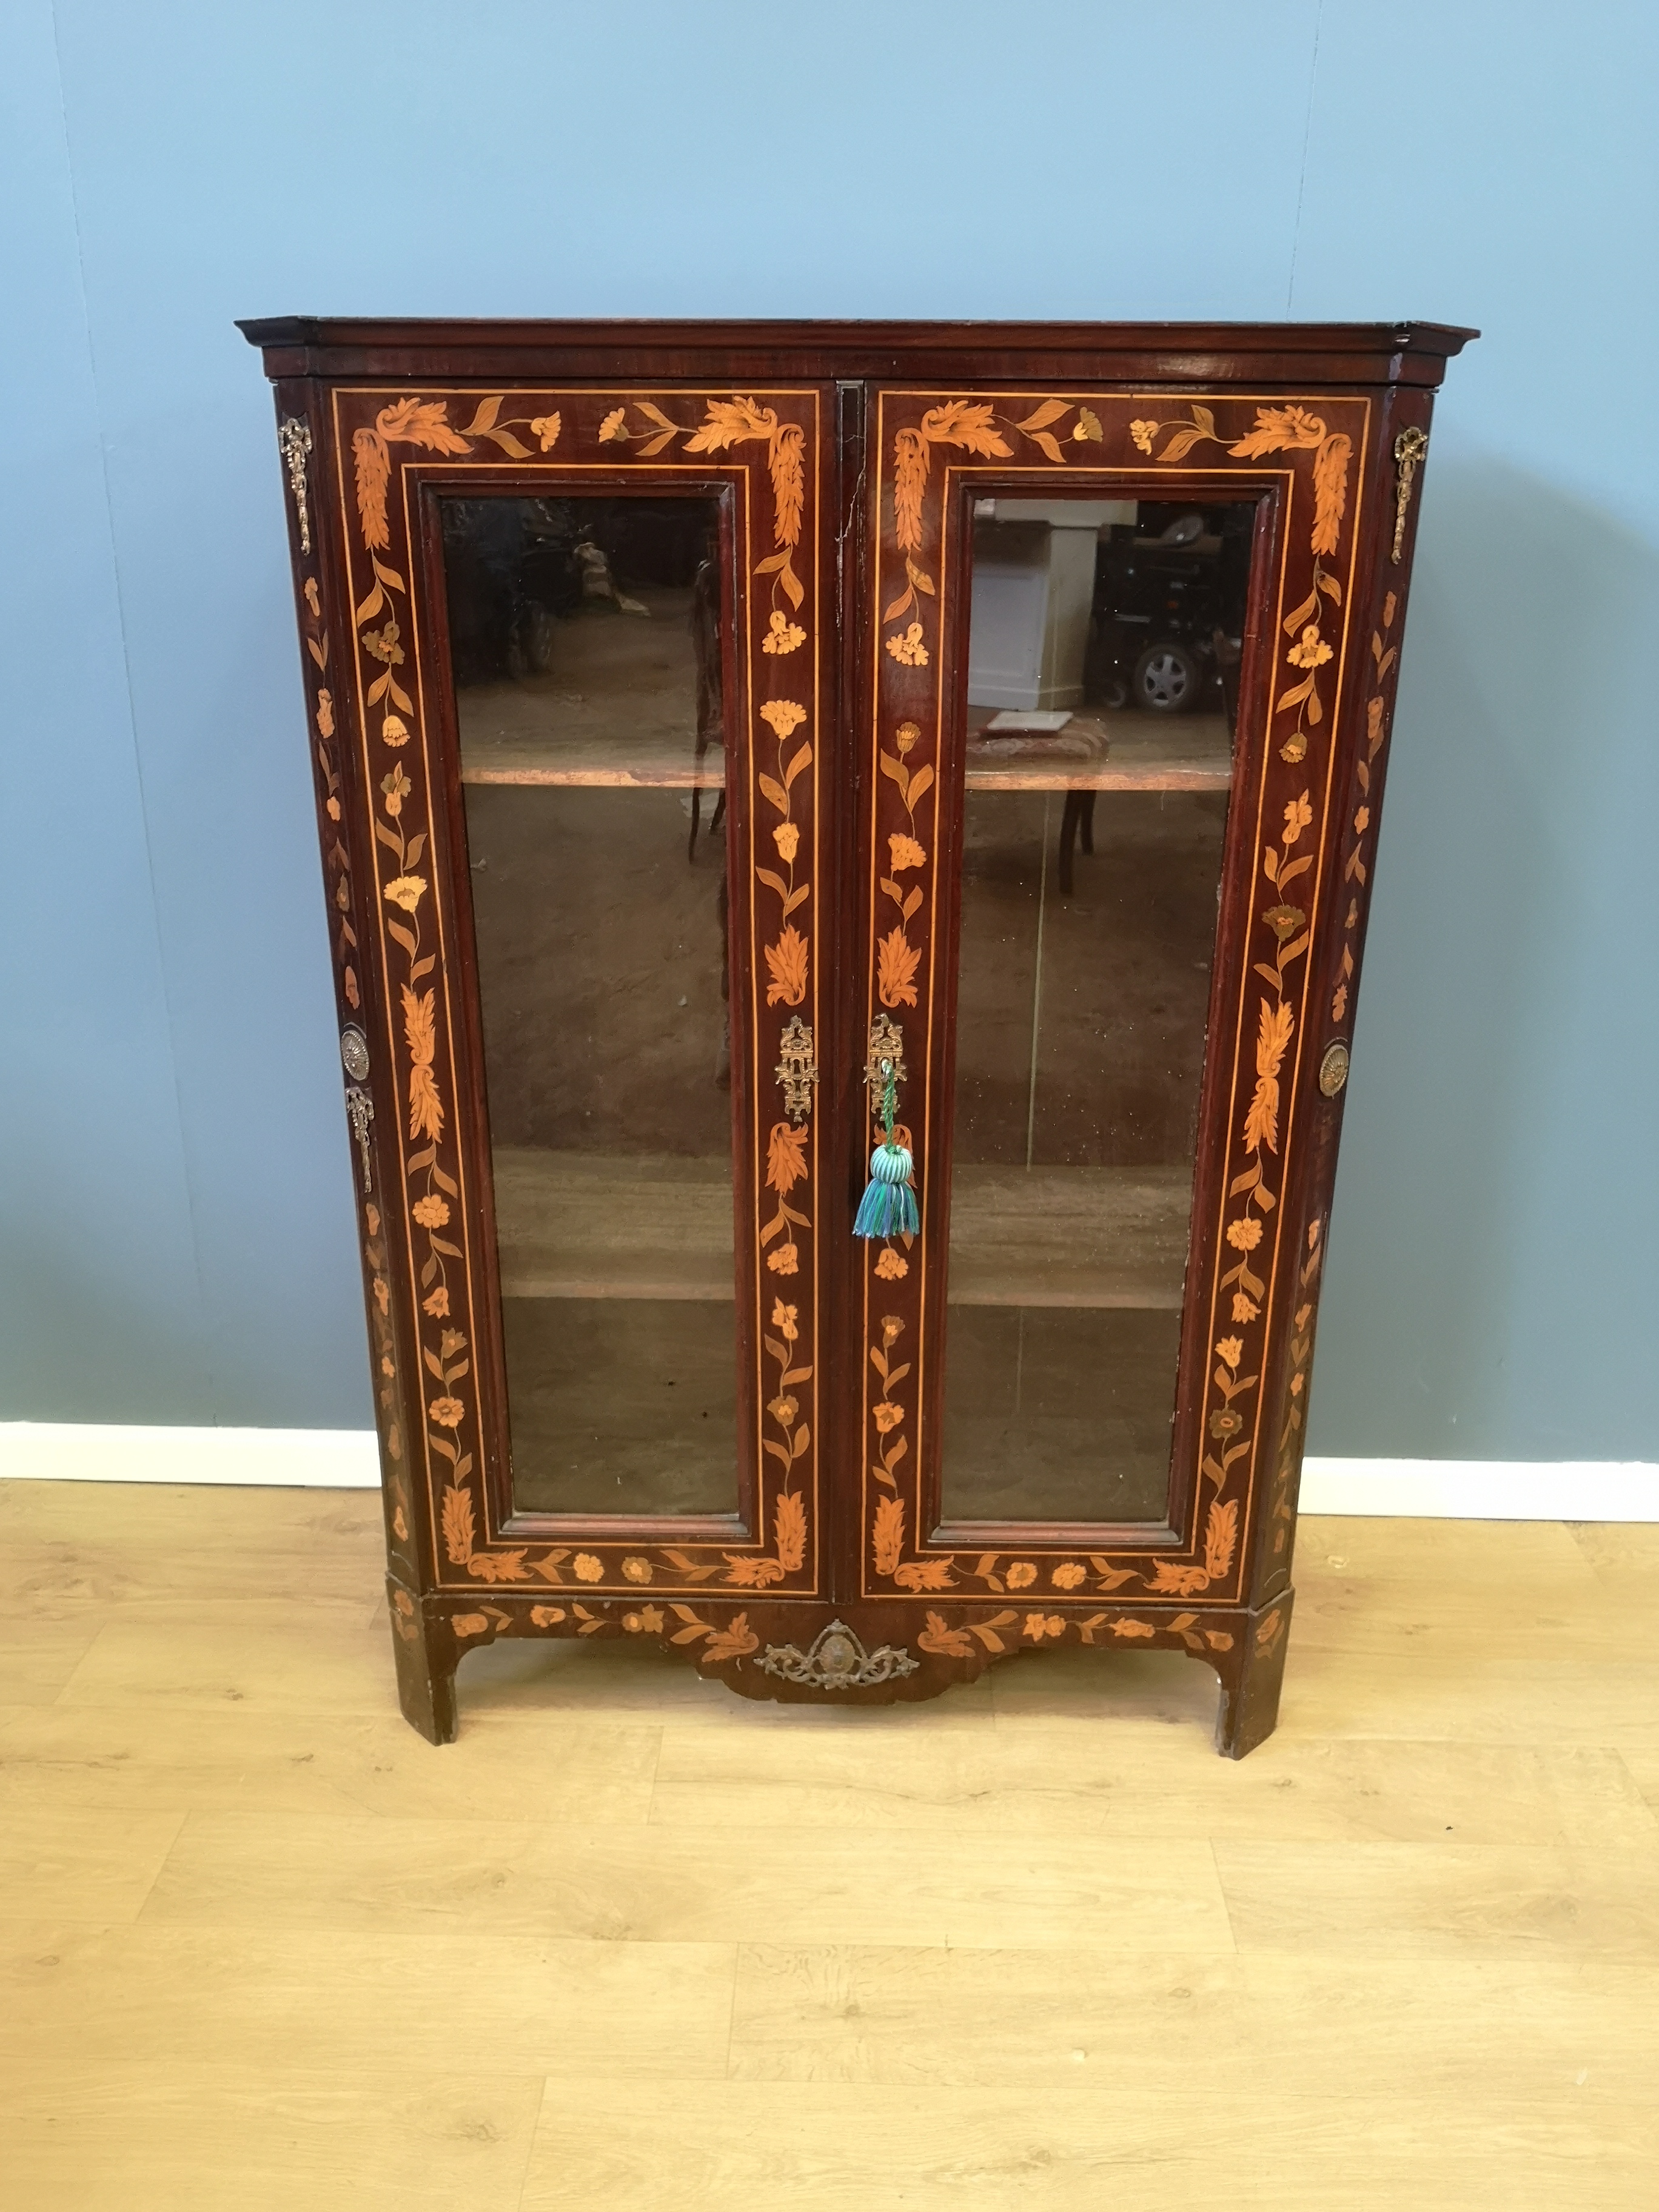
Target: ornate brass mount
column 294, row 440
column 1409, row 448
column 360, row 1107
column 886, row 1059
column 1333, row 1069
column 360, row 1111
column 797, row 1070
column 836, row 1660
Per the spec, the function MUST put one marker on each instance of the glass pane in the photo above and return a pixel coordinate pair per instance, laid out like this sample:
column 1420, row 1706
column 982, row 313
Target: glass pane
column 586, row 641
column 1104, row 643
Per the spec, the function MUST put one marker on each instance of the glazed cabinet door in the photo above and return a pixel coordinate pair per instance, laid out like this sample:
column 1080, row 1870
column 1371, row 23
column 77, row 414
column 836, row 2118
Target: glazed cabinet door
column 1103, row 634
column 593, row 729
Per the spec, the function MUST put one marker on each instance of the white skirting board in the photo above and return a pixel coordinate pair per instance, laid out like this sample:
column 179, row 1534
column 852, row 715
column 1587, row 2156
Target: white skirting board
column 1484, row 1489
column 345, row 1459
column 284, row 1459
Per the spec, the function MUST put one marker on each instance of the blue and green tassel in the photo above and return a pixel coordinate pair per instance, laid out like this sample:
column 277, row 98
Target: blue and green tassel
column 888, row 1207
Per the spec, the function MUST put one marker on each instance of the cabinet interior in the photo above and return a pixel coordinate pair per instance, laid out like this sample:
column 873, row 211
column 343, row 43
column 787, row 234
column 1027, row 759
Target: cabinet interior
column 587, row 646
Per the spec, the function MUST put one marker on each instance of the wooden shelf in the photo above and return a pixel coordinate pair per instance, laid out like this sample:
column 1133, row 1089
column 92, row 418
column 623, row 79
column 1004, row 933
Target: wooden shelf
column 580, row 1225
column 1143, row 752
column 1069, row 1236
column 654, row 764
column 616, row 708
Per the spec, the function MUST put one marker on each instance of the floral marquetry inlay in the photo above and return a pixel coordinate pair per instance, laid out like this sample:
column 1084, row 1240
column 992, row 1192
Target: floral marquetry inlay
column 1306, row 455
column 390, row 444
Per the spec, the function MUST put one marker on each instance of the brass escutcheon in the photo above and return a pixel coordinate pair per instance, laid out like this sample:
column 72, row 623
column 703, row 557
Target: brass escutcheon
column 885, row 1057
column 797, row 1069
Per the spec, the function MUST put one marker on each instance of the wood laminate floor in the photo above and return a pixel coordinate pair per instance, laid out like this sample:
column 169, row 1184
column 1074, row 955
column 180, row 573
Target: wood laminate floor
column 632, row 1942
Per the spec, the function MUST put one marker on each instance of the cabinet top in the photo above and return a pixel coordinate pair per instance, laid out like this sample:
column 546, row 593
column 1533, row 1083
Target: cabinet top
column 1141, row 353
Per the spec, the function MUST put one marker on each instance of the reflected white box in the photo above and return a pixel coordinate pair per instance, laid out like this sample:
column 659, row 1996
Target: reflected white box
column 1033, row 594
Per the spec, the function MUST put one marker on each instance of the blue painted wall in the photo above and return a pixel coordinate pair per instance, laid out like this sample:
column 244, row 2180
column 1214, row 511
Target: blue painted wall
column 173, row 1175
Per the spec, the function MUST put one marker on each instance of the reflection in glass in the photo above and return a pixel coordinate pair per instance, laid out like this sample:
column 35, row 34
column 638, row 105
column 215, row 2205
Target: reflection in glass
column 1104, row 646
column 585, row 637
